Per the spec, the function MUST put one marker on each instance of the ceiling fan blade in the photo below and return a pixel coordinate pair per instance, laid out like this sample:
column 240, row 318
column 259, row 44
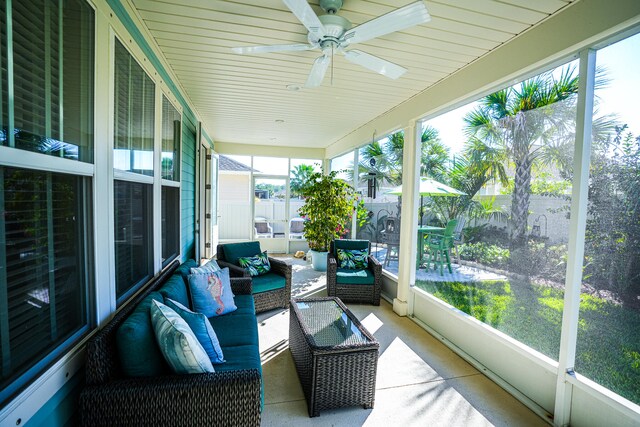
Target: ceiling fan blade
column 307, row 16
column 373, row 63
column 248, row 50
column 318, row 71
column 397, row 20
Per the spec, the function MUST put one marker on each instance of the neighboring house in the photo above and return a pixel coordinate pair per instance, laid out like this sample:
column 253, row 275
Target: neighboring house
column 235, row 199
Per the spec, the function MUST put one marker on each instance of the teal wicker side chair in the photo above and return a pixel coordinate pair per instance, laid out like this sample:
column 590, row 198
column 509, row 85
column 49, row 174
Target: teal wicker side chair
column 349, row 284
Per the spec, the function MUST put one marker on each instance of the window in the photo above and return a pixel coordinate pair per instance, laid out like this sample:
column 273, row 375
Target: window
column 133, row 152
column 45, row 225
column 344, row 165
column 378, row 219
column 608, row 344
column 507, row 161
column 134, row 115
column 170, row 165
column 133, row 234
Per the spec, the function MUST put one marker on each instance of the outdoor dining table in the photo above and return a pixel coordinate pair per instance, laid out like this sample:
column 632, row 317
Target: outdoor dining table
column 422, row 233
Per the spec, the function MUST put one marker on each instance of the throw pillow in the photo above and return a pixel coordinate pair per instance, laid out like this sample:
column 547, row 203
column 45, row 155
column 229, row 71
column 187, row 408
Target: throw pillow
column 201, row 328
column 353, row 259
column 255, row 265
column 211, row 293
column 209, row 267
column 177, row 342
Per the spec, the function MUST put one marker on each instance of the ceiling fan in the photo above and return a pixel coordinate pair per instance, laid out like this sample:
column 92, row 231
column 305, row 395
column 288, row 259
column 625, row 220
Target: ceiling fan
column 332, row 33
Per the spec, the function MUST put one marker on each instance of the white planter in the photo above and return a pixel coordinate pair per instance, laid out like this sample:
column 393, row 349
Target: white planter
column 319, row 260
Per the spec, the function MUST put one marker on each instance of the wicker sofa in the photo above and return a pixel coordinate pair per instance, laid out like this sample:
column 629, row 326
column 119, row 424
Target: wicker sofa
column 271, row 290
column 231, row 396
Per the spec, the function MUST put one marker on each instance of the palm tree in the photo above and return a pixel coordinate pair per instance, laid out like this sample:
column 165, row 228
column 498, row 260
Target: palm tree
column 300, row 178
column 527, row 123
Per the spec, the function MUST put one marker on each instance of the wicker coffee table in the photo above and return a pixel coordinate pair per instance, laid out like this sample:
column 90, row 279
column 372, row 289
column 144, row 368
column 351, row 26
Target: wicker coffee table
column 335, row 356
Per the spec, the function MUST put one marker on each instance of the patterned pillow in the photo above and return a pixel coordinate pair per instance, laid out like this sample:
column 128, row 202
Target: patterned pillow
column 179, row 346
column 209, row 267
column 211, row 293
column 201, row 328
column 353, row 259
column 255, row 265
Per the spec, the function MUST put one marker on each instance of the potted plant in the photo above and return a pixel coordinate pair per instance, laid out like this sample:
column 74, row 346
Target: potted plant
column 328, row 209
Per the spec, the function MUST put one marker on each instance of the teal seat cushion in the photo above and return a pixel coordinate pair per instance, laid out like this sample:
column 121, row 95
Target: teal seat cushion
column 349, row 244
column 176, row 290
column 139, row 353
column 185, row 270
column 241, row 357
column 245, row 305
column 267, row 282
column 239, row 329
column 348, row 276
column 233, row 251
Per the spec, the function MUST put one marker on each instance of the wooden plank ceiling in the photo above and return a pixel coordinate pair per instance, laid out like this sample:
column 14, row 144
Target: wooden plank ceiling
column 243, row 98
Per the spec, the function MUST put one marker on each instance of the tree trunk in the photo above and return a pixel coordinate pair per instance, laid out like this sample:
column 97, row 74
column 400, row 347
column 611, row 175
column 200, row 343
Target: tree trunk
column 520, row 200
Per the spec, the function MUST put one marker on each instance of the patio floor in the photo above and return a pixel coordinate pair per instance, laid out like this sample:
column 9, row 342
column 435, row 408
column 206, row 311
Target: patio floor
column 419, row 382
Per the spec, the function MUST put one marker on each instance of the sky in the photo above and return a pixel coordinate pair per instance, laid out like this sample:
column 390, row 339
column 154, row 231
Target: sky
column 622, row 63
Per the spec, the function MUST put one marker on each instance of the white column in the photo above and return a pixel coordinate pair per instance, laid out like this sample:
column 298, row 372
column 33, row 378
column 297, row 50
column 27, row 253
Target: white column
column 408, row 218
column 577, row 227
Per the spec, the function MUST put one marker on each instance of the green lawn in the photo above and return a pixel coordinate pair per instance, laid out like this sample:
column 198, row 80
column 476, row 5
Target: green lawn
column 608, row 350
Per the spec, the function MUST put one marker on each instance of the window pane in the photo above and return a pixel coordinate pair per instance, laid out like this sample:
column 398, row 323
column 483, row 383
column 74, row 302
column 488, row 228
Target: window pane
column 379, row 172
column 344, row 166
column 236, row 218
column 301, row 170
column 134, row 115
column 43, row 288
column 4, row 81
column 271, row 165
column 608, row 346
column 52, row 78
column 170, row 223
column 133, row 235
column 170, row 141
column 495, row 197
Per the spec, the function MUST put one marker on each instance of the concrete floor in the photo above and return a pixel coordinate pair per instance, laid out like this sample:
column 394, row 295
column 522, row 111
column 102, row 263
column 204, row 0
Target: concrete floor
column 420, row 382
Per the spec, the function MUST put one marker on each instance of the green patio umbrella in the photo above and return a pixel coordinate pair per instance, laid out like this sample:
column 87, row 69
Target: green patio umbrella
column 430, row 187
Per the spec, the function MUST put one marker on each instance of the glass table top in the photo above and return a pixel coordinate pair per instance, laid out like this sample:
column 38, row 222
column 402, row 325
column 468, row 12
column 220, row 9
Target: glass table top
column 329, row 325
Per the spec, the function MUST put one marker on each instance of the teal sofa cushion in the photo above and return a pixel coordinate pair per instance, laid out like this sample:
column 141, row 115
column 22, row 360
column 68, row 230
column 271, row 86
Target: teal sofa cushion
column 241, row 357
column 140, row 355
column 267, row 282
column 176, row 290
column 349, row 244
column 185, row 270
column 233, row 251
column 245, row 305
column 354, row 277
column 235, row 330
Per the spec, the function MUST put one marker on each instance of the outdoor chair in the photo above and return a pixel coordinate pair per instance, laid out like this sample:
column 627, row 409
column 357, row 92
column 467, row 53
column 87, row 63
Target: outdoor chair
column 353, row 284
column 439, row 246
column 391, row 237
column 458, row 237
column 296, row 227
column 262, row 228
column 270, row 290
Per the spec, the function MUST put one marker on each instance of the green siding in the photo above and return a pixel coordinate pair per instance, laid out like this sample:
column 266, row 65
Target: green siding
column 188, row 196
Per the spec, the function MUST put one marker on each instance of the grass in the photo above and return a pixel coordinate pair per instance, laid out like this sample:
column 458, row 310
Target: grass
column 608, row 348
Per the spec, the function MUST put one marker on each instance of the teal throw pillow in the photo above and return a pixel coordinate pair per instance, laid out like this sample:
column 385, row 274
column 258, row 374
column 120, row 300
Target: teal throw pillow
column 255, row 265
column 209, row 267
column 177, row 342
column 202, row 330
column 353, row 259
column 211, row 293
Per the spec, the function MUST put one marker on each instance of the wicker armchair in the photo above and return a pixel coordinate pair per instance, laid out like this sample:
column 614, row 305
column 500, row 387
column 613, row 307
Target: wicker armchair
column 264, row 300
column 353, row 288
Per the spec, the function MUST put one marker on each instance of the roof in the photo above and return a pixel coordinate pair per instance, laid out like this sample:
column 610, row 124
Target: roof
column 228, row 164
